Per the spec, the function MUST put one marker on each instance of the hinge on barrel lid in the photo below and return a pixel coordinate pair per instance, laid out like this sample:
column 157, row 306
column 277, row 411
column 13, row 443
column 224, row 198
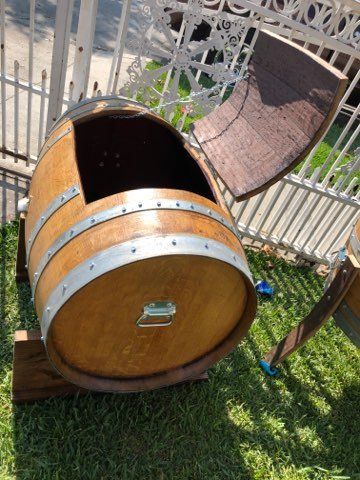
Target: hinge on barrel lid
column 157, row 314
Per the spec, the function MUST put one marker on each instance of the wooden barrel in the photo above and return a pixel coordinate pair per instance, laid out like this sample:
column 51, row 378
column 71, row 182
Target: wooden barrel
column 347, row 315
column 138, row 275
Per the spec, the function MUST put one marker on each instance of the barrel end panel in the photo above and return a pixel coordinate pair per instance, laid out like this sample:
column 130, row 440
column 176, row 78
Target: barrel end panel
column 97, row 341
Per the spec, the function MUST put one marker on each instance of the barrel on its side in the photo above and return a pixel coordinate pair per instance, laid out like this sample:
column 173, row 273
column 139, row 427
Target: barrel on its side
column 347, row 315
column 138, row 274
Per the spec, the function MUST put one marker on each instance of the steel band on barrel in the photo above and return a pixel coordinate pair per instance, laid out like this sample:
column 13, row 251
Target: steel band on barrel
column 133, row 251
column 57, row 203
column 121, row 210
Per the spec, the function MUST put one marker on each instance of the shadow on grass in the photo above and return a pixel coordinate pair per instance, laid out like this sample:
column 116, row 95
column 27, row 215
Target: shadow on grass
column 239, row 425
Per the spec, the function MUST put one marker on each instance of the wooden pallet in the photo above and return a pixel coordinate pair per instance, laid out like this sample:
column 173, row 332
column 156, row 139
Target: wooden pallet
column 34, row 378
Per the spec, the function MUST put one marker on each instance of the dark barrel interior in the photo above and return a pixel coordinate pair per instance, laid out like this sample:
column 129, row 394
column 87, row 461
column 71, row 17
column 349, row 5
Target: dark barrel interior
column 116, row 154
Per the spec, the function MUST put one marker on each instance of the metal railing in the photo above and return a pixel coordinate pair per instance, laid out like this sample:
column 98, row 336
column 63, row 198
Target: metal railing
column 193, row 45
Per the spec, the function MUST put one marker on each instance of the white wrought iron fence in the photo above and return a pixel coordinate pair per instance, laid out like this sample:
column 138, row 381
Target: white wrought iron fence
column 159, row 51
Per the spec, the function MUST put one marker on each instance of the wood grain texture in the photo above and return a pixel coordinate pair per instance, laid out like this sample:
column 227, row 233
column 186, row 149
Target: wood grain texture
column 34, row 378
column 272, row 120
column 93, row 339
column 54, row 174
column 96, row 330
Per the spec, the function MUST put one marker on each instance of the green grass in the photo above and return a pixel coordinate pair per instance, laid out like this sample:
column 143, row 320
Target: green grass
column 305, row 424
column 184, row 90
column 321, row 154
column 326, row 147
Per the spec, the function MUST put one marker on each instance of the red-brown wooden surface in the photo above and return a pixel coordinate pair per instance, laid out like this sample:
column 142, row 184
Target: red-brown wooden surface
column 271, row 120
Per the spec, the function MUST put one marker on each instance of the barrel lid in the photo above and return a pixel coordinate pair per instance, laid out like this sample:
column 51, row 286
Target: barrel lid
column 272, row 119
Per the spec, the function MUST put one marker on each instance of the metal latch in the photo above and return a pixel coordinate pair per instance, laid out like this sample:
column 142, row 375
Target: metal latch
column 157, row 314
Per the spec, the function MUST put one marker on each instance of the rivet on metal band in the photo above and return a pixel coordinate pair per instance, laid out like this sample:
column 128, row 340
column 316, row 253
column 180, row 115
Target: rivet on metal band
column 119, row 211
column 133, row 251
column 58, row 202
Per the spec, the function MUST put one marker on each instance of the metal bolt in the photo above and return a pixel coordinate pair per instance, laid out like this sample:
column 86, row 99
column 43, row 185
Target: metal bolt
column 222, row 220
column 234, row 258
column 36, row 274
column 192, row 207
column 159, row 204
column 328, row 297
column 29, row 240
column 48, row 309
column 345, row 272
column 42, row 339
column 72, row 232
column 206, row 246
column 209, row 212
column 62, row 198
column 140, row 204
column 74, row 189
column 92, row 220
column 42, row 218
column 32, row 300
column 133, row 249
column 178, row 204
column 92, row 265
column 49, row 254
column 174, row 242
column 26, row 265
column 123, row 210
column 64, row 289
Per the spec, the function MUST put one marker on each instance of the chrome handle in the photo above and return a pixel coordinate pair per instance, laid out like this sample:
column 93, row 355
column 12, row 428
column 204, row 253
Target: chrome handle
column 159, row 310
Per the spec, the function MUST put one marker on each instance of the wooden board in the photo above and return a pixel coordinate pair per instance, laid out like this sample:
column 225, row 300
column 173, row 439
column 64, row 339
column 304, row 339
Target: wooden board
column 271, row 120
column 322, row 311
column 33, row 376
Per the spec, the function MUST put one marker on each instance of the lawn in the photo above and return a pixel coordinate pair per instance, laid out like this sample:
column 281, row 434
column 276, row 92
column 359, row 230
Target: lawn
column 305, row 424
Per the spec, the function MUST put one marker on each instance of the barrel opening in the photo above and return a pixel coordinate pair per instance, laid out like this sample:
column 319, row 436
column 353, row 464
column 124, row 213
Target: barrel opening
column 116, row 154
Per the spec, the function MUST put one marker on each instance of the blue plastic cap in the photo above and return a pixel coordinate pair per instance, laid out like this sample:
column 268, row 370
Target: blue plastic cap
column 264, row 288
column 272, row 371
